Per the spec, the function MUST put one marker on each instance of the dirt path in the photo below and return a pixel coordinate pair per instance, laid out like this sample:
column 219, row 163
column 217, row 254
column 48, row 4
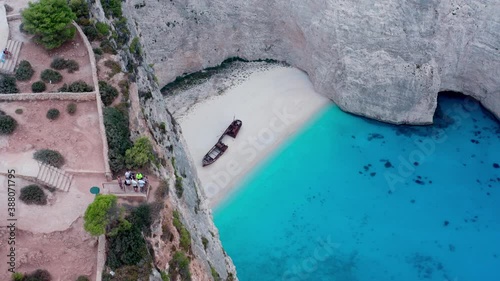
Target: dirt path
column 65, row 254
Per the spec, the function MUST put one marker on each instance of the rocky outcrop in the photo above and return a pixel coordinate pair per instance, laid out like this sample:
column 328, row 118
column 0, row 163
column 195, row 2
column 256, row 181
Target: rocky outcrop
column 386, row 60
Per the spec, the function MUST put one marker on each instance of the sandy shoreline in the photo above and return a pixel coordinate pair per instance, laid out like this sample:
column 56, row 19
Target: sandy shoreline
column 272, row 104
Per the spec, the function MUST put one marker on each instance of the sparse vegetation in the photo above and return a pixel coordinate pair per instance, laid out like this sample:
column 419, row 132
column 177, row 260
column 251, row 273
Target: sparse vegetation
column 38, row 87
column 82, row 278
column 50, row 157
column 118, row 136
column 33, row 194
column 108, row 47
column 215, row 274
column 56, row 17
column 108, row 93
column 53, row 114
column 204, row 241
column 8, row 8
column 71, row 108
column 24, row 71
column 140, row 154
column 8, row 85
column 19, row 111
column 112, row 8
column 162, row 191
column 7, row 124
column 179, row 266
column 76, row 87
column 51, row 76
column 185, row 237
column 135, row 47
column 114, row 66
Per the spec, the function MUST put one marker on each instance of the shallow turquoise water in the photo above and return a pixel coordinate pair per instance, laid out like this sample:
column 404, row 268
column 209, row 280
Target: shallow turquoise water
column 354, row 199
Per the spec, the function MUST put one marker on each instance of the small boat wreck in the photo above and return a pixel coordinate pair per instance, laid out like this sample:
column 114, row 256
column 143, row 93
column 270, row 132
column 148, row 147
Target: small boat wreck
column 233, row 128
column 219, row 148
column 214, row 153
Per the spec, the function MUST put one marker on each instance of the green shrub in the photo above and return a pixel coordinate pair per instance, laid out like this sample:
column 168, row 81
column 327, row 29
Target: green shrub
column 108, row 93
column 33, row 194
column 19, row 111
column 38, row 87
column 179, row 189
column 108, row 47
column 71, row 108
column 140, row 216
column 127, row 247
column 24, row 71
column 117, row 135
column 135, row 47
column 39, row 275
column 140, row 154
column 72, row 66
column 179, row 266
column 164, row 276
column 8, row 85
column 185, row 237
column 17, row 276
column 97, row 51
column 112, row 8
column 76, row 87
column 7, row 124
column 98, row 214
column 60, row 63
column 122, row 32
column 53, row 113
column 102, row 28
column 51, row 76
column 91, row 32
column 80, row 8
column 82, row 278
column 56, row 17
column 50, row 157
column 114, row 66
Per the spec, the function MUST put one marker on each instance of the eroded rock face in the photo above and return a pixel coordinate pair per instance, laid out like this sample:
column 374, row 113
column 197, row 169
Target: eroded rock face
column 382, row 59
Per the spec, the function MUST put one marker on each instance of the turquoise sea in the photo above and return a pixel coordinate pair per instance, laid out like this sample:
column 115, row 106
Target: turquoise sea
column 349, row 199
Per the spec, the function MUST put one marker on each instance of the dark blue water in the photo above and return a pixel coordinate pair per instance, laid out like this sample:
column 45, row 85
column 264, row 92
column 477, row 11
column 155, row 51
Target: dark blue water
column 352, row 199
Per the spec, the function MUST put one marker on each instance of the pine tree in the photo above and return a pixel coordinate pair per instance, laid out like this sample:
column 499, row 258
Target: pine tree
column 50, row 22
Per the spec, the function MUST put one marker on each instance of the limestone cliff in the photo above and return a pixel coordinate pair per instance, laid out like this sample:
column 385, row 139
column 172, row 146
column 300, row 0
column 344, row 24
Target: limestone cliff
column 382, row 59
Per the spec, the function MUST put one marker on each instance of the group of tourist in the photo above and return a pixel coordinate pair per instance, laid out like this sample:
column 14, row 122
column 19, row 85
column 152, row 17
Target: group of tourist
column 5, row 55
column 137, row 181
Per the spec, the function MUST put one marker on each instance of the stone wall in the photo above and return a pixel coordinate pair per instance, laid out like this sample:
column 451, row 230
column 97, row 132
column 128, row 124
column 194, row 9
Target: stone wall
column 386, row 60
column 90, row 96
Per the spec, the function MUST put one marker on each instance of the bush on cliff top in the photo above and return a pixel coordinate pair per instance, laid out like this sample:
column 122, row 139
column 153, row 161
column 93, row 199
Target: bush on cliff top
column 50, row 157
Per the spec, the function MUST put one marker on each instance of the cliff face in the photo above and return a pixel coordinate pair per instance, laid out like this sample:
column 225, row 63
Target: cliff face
column 382, row 60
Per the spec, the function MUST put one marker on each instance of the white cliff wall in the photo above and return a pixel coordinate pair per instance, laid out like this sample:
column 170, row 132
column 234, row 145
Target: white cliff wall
column 381, row 59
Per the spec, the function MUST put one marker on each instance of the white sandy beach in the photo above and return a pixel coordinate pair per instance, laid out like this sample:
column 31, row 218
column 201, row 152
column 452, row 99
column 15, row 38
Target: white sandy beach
column 272, row 104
